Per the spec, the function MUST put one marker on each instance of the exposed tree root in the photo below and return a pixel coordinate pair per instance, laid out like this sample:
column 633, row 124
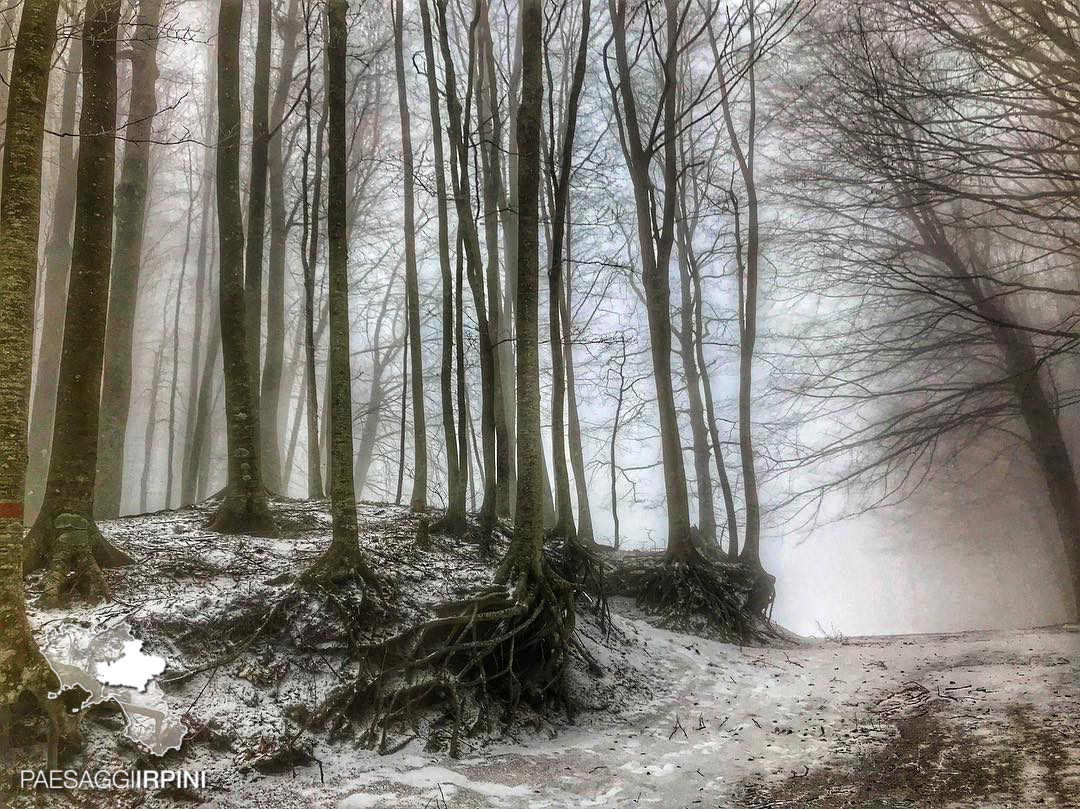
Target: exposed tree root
column 73, row 551
column 26, row 679
column 470, row 667
column 243, row 512
column 328, row 604
column 582, row 564
column 728, row 600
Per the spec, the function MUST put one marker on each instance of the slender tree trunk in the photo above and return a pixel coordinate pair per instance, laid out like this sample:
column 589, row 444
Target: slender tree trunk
column 455, row 464
column 369, row 434
column 577, row 456
column 748, row 271
column 343, row 556
column 489, row 128
column 655, row 242
column 403, row 422
column 63, row 536
column 197, row 413
column 308, row 251
column 256, row 220
column 53, row 291
column 22, row 668
column 460, row 139
column 467, row 477
column 244, row 508
column 418, row 501
column 698, row 429
column 529, row 516
column 272, row 422
column 150, row 433
column 131, row 204
column 560, row 186
column 710, row 412
column 174, row 387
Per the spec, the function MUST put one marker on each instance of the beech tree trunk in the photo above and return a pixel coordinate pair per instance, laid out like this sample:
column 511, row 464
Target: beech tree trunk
column 22, row 668
column 271, row 421
column 529, row 515
column 342, row 493
column 560, row 185
column 460, row 140
column 655, row 258
column 131, row 202
column 456, row 462
column 53, row 290
column 244, row 508
column 256, row 220
column 63, row 535
column 418, row 501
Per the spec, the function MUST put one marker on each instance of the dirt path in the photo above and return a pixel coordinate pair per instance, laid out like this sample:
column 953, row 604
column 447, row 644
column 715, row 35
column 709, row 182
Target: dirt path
column 977, row 719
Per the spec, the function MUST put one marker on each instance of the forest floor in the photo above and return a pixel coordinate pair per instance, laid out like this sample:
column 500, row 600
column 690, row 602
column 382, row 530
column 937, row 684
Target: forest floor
column 987, row 719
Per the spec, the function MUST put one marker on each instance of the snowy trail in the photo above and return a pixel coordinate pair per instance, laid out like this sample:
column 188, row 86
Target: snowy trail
column 922, row 720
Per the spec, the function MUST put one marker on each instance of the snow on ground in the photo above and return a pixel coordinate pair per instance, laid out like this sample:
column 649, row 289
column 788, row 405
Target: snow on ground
column 988, row 719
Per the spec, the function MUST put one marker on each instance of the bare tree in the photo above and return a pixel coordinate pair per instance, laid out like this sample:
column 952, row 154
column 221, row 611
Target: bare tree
column 131, row 204
column 418, row 501
column 64, row 538
column 244, row 508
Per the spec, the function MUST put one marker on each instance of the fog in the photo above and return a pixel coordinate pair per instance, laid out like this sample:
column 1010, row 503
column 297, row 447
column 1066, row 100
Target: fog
column 963, row 539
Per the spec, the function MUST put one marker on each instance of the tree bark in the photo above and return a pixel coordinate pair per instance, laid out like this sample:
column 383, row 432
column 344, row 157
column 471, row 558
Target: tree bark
column 309, row 245
column 577, row 457
column 559, row 176
column 460, row 138
column 53, row 291
column 529, row 515
column 256, row 220
column 655, row 259
column 22, row 667
column 244, row 508
column 63, row 535
column 455, row 462
column 418, row 500
column 272, row 422
column 131, row 203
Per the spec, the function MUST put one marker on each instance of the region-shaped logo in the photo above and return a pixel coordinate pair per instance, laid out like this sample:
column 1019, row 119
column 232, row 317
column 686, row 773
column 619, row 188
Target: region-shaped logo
column 109, row 664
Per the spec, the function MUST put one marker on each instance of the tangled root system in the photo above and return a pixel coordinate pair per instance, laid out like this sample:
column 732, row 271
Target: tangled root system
column 327, row 608
column 727, row 600
column 583, row 565
column 469, row 668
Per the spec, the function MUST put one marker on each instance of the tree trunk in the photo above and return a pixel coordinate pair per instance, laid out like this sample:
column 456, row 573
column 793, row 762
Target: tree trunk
column 577, row 457
column 244, row 508
column 174, row 387
column 489, row 130
column 699, row 431
column 455, row 513
column 460, row 138
column 53, row 291
column 748, row 273
column 343, row 557
column 22, row 668
column 529, row 516
column 198, row 413
column 131, row 196
column 560, row 186
column 655, row 258
column 152, row 416
column 309, row 245
column 271, row 419
column 63, row 535
column 256, row 219
column 418, row 501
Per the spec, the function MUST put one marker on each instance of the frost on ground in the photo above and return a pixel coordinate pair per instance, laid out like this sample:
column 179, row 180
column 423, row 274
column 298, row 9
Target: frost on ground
column 988, row 719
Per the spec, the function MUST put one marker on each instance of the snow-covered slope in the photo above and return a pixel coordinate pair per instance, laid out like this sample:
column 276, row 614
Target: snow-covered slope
column 984, row 719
